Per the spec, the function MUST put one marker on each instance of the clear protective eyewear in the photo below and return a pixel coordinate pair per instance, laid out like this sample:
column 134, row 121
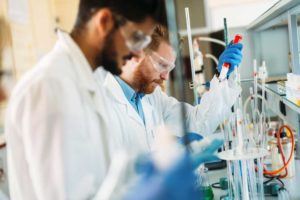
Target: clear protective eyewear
column 160, row 64
column 136, row 40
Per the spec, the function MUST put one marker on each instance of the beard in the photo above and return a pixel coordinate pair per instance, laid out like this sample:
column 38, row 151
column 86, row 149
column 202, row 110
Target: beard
column 144, row 84
column 108, row 56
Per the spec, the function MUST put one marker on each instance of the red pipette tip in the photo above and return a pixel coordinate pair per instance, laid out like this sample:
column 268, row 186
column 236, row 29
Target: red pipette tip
column 237, row 38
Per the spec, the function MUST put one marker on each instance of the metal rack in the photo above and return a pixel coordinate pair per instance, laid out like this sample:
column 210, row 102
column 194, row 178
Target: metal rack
column 279, row 25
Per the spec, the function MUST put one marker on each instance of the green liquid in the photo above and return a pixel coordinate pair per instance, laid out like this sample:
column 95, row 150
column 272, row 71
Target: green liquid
column 207, row 193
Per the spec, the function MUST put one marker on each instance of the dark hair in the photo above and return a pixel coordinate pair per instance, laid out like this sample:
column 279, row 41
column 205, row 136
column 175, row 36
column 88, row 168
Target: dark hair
column 133, row 10
column 160, row 34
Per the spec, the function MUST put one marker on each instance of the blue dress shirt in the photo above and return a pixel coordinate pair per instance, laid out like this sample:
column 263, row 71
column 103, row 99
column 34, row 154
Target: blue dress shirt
column 134, row 98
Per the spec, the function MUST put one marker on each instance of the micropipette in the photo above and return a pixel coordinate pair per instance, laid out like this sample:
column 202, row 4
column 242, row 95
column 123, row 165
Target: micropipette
column 226, row 66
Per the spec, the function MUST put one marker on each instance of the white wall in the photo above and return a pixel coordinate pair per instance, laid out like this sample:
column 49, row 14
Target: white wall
column 238, row 12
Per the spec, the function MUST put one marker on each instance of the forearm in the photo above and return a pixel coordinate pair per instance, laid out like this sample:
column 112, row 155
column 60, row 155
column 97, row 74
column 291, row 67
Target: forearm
column 214, row 108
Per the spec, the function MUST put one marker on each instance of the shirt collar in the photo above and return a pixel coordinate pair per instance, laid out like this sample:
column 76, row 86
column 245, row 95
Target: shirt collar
column 129, row 92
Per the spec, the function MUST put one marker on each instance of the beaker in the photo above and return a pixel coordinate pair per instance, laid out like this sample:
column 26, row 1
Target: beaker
column 203, row 183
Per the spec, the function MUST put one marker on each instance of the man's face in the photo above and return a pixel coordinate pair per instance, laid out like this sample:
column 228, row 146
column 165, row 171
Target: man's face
column 155, row 68
column 116, row 50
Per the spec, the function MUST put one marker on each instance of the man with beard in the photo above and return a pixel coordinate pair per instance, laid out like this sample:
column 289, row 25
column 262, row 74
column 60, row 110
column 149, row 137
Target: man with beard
column 143, row 106
column 57, row 124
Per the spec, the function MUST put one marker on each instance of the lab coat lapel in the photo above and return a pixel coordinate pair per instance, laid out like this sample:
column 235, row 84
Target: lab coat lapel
column 148, row 113
column 86, row 80
column 84, row 72
column 115, row 90
column 81, row 66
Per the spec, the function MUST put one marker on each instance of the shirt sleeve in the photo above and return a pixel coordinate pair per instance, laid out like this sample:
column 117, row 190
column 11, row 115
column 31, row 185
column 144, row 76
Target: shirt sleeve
column 204, row 118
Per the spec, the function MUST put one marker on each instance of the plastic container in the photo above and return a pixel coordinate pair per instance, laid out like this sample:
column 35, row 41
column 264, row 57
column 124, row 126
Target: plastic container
column 293, row 88
column 277, row 162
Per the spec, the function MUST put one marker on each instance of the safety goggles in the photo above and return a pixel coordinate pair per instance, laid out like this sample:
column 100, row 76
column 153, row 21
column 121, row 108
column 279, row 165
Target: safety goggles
column 136, row 40
column 160, row 64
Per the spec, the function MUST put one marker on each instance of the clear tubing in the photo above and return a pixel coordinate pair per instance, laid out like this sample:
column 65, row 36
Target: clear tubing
column 240, row 138
column 244, row 182
column 227, row 136
column 208, row 39
column 260, row 132
column 252, row 179
column 263, row 111
column 255, row 82
column 237, row 180
column 247, row 121
column 230, row 178
column 228, row 131
column 283, row 194
column 189, row 34
column 260, row 179
column 214, row 58
column 287, row 195
column 252, row 106
column 280, row 195
column 238, row 80
column 253, row 113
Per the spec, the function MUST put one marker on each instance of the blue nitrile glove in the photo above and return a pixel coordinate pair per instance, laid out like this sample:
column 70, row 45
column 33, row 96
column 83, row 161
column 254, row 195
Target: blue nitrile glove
column 176, row 183
column 233, row 55
column 207, row 155
column 190, row 136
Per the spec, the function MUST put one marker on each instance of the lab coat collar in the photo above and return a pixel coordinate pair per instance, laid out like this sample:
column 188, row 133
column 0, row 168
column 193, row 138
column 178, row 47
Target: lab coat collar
column 129, row 92
column 114, row 88
column 111, row 84
column 84, row 69
column 85, row 75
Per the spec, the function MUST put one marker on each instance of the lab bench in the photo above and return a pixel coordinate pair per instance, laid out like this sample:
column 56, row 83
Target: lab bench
column 291, row 184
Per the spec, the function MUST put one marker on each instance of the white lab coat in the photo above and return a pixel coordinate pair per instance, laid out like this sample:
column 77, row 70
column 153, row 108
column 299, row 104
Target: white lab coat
column 60, row 138
column 161, row 109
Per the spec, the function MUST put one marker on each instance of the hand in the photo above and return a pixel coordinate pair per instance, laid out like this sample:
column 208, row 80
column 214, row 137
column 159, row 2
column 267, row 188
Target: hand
column 190, row 137
column 207, row 154
column 232, row 55
column 177, row 182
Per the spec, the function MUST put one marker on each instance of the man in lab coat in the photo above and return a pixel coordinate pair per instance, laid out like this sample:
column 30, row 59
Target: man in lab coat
column 60, row 137
column 142, row 106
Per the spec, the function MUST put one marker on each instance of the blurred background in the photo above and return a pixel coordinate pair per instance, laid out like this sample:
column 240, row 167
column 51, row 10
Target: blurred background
column 27, row 33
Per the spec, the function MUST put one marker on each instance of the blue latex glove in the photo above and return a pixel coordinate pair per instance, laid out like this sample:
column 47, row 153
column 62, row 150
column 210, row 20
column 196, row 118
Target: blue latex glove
column 191, row 136
column 177, row 183
column 233, row 55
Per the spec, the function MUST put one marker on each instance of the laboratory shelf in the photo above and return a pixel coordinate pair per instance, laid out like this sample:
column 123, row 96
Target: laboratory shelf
column 291, row 105
column 276, row 15
column 275, row 39
column 272, row 88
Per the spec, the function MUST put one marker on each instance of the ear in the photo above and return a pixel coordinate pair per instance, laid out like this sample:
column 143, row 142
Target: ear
column 2, row 95
column 133, row 63
column 140, row 59
column 104, row 21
